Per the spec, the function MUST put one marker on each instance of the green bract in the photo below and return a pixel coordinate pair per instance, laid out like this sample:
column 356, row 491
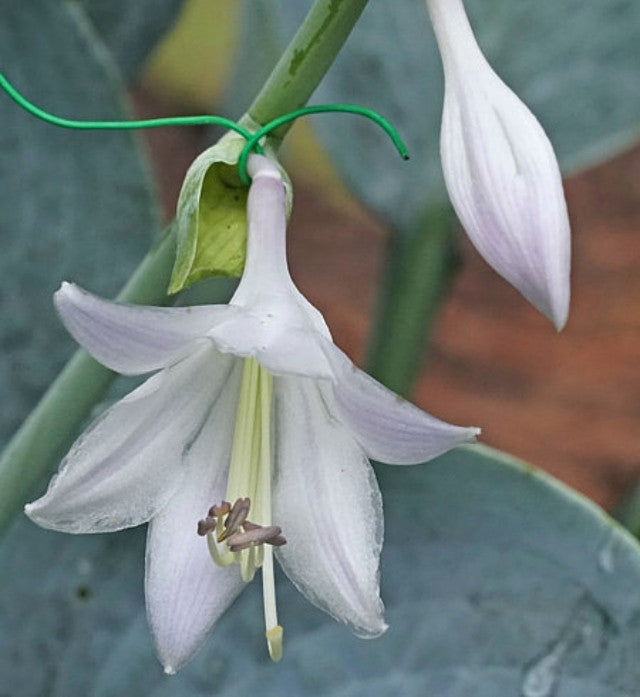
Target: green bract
column 211, row 216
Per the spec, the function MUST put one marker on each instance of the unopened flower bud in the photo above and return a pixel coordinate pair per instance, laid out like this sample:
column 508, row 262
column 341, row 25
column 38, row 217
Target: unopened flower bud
column 500, row 170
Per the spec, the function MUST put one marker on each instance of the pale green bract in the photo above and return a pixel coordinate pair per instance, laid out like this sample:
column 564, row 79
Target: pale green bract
column 252, row 399
column 211, row 214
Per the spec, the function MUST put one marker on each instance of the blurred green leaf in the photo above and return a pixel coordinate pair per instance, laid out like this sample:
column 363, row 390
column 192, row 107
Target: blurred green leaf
column 73, row 205
column 131, row 30
column 498, row 582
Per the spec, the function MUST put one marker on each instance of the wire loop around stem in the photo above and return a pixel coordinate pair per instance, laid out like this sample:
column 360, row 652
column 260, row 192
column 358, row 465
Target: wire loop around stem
column 317, row 109
column 253, row 139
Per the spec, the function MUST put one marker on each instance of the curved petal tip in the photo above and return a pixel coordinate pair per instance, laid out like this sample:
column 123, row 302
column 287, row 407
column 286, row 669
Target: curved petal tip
column 373, row 633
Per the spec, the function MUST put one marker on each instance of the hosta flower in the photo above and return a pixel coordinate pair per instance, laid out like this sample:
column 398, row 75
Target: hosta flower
column 254, row 433
column 501, row 171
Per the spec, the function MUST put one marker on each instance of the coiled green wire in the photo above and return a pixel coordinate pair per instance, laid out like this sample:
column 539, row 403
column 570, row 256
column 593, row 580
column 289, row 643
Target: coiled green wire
column 253, row 139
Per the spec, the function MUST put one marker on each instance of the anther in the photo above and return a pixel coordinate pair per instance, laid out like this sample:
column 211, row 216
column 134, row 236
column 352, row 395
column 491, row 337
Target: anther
column 236, row 517
column 277, row 540
column 206, row 525
column 209, row 523
column 255, row 535
column 222, row 509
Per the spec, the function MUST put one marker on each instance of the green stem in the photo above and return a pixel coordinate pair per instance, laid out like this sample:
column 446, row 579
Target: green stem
column 418, row 275
column 306, row 59
column 51, row 426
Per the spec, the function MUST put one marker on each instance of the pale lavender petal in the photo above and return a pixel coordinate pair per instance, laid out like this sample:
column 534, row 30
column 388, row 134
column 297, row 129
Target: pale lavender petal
column 266, row 280
column 389, row 428
column 275, row 339
column 126, row 466
column 327, row 502
column 265, row 269
column 186, row 592
column 134, row 339
column 501, row 172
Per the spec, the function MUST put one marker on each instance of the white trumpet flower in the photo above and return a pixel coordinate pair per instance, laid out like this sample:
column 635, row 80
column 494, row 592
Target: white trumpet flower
column 254, row 404
column 500, row 170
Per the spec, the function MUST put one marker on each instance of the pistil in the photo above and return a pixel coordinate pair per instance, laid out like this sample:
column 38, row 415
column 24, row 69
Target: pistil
column 231, row 536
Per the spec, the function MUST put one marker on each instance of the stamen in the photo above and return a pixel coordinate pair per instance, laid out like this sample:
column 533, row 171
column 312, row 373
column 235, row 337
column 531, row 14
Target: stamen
column 236, row 518
column 206, row 525
column 248, row 565
column 223, row 559
column 214, row 515
column 277, row 540
column 259, row 552
column 221, row 510
column 254, row 535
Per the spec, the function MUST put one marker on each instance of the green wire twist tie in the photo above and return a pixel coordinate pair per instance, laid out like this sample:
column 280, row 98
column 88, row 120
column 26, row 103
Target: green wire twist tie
column 253, row 139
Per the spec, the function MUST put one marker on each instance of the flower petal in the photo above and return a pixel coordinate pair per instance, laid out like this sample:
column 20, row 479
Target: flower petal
column 277, row 340
column 389, row 428
column 185, row 591
column 128, row 463
column 327, row 502
column 133, row 339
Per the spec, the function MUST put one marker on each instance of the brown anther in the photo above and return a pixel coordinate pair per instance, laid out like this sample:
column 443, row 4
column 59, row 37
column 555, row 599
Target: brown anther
column 209, row 523
column 235, row 519
column 255, row 535
column 276, row 541
column 206, row 525
column 222, row 509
